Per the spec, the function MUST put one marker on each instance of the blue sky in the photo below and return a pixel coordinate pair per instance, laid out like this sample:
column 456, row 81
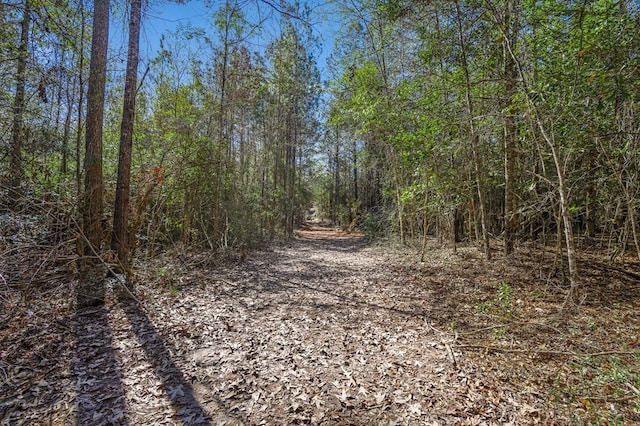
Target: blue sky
column 160, row 18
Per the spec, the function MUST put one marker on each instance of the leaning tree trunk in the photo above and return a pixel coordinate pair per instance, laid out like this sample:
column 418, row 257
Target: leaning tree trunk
column 91, row 285
column 564, row 211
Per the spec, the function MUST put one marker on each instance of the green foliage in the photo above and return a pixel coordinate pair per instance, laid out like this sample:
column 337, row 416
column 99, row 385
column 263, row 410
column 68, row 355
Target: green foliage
column 374, row 224
column 244, row 149
column 400, row 87
column 501, row 305
column 169, row 276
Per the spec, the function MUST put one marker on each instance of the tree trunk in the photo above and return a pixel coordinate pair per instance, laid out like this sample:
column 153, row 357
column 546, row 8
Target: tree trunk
column 335, row 200
column 557, row 161
column 80, row 101
column 91, row 286
column 17, row 128
column 477, row 161
column 120, row 237
column 64, row 166
column 354, row 167
column 399, row 204
column 511, row 222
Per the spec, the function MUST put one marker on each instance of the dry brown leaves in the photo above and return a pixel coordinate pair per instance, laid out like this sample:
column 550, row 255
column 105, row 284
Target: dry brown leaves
column 323, row 330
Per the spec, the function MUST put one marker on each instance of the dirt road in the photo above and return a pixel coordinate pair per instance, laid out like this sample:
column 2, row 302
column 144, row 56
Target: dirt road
column 323, row 330
column 320, row 331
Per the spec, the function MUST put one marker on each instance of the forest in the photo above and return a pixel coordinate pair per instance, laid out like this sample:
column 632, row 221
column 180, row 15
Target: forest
column 338, row 212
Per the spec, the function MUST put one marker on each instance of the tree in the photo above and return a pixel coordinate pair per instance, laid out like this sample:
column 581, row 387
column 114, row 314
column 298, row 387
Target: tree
column 120, row 238
column 477, row 162
column 548, row 136
column 17, row 128
column 91, row 290
column 293, row 92
column 510, row 24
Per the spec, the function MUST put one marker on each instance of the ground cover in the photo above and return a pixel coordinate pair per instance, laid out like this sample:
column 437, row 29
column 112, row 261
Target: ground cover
column 325, row 329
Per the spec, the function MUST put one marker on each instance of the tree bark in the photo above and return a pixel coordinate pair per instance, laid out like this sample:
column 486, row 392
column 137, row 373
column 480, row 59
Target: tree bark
column 64, row 166
column 91, row 286
column 17, row 128
column 335, row 199
column 511, row 222
column 354, row 167
column 80, row 100
column 120, row 237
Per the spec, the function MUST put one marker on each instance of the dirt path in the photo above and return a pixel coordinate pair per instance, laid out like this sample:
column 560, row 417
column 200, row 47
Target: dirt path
column 319, row 331
column 323, row 330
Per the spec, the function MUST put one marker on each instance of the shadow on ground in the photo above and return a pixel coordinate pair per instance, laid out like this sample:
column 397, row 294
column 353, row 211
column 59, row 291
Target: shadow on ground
column 100, row 397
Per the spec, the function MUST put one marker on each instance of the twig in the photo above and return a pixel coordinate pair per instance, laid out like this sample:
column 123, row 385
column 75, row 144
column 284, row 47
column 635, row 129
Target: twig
column 222, row 280
column 483, row 329
column 608, row 399
column 508, row 350
column 284, row 12
column 89, row 312
column 621, row 270
column 633, row 388
column 7, row 315
column 434, row 329
column 453, row 357
column 603, row 353
column 537, row 352
column 447, row 345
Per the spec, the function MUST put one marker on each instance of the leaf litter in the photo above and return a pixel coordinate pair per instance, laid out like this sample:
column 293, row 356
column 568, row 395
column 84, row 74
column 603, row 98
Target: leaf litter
column 325, row 330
